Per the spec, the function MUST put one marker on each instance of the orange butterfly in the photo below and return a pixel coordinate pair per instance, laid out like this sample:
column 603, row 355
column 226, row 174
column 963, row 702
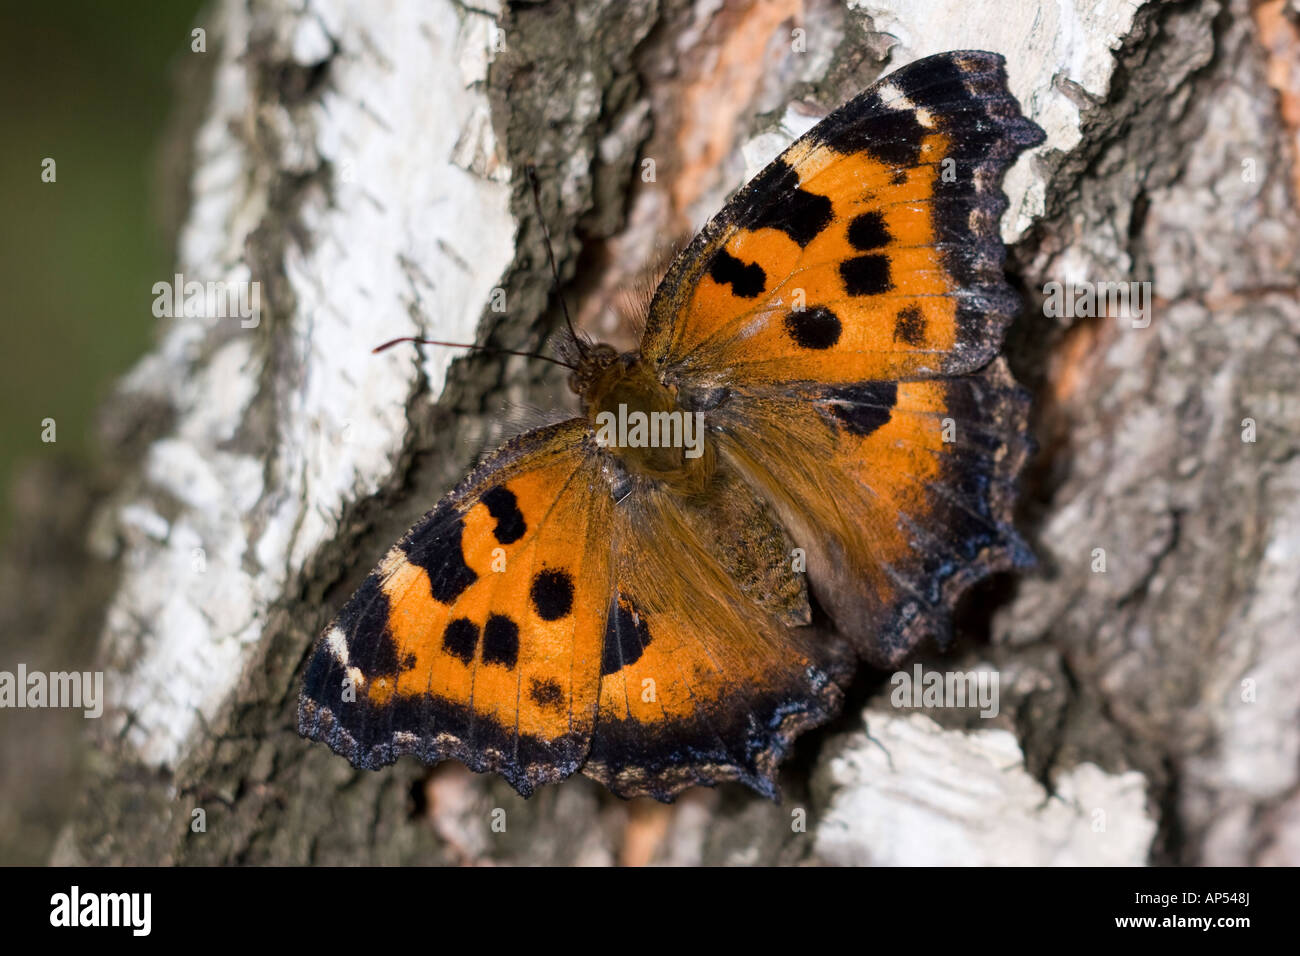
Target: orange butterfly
column 838, row 443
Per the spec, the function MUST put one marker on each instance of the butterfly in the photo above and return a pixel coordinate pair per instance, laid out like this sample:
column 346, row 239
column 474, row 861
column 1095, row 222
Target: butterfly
column 840, row 447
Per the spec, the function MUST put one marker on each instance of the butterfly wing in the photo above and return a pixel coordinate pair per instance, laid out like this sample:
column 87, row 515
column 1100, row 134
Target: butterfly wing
column 901, row 493
column 866, row 251
column 553, row 612
column 479, row 636
column 837, row 322
column 703, row 678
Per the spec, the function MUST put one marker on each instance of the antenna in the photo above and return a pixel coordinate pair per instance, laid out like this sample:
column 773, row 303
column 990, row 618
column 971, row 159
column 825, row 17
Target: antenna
column 461, row 345
column 531, row 171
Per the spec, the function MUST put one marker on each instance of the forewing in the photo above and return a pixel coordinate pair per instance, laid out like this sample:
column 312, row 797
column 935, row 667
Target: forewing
column 869, row 250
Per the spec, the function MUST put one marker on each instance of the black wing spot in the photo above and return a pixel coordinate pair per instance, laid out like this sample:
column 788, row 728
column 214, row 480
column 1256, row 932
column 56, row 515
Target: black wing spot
column 501, row 641
column 546, row 693
column 866, row 275
column 502, row 505
column 747, row 281
column 460, row 639
column 867, row 231
column 815, row 328
column 626, row 637
column 861, row 409
column 910, row 327
column 800, row 214
column 552, row 594
column 435, row 545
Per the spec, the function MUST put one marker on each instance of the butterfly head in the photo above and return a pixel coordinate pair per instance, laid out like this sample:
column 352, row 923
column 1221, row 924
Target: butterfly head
column 594, row 364
column 605, row 379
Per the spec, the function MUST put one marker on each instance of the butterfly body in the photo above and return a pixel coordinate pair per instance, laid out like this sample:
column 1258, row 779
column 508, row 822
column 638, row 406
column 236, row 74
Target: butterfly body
column 811, row 456
column 627, row 388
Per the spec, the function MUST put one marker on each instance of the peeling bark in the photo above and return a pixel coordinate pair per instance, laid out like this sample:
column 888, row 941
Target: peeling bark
column 359, row 166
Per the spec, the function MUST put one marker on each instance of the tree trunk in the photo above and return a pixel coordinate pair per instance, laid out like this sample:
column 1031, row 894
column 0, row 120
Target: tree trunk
column 364, row 166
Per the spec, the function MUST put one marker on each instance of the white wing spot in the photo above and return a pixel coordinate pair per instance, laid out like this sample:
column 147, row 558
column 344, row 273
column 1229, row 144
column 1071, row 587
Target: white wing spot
column 337, row 642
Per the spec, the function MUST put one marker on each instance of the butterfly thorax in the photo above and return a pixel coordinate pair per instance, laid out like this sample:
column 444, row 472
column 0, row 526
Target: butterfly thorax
column 640, row 420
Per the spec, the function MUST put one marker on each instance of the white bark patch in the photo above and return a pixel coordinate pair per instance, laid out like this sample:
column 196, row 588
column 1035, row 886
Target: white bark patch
column 416, row 222
column 1253, row 703
column 913, row 793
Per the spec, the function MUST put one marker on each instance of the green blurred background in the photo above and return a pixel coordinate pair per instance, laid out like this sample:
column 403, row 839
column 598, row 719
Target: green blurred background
column 94, row 87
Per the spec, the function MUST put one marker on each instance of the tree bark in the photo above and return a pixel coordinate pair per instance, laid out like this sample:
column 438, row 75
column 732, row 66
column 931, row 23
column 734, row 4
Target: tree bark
column 364, row 166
